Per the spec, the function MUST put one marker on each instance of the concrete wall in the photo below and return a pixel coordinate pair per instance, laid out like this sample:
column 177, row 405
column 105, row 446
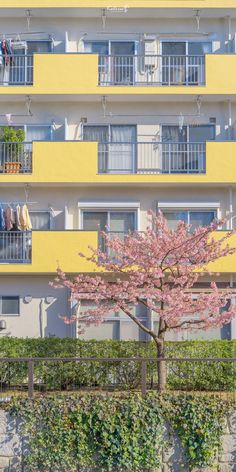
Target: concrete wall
column 12, row 449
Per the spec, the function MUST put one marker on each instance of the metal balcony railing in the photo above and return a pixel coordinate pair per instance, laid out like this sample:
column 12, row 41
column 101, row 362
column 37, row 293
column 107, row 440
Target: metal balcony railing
column 151, row 70
column 151, row 158
column 15, row 157
column 15, row 247
column 16, row 70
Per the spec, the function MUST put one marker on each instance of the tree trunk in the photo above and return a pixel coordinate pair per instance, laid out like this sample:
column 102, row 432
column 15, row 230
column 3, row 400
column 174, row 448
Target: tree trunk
column 161, row 367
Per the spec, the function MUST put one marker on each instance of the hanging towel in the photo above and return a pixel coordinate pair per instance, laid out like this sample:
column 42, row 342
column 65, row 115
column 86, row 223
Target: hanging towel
column 1, row 56
column 25, row 222
column 28, row 220
column 2, row 219
column 9, row 218
column 18, row 225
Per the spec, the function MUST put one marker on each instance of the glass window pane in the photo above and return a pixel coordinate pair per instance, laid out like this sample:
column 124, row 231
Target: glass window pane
column 107, row 330
column 201, row 133
column 40, row 220
column 199, row 49
column 174, row 48
column 94, row 220
column 96, row 47
column 201, row 218
column 173, row 217
column 10, row 305
column 96, row 133
column 122, row 48
column 173, row 134
column 38, row 133
column 39, row 46
column 122, row 222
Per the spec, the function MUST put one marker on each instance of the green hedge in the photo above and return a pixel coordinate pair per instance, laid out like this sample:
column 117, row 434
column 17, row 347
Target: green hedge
column 59, row 375
column 111, row 433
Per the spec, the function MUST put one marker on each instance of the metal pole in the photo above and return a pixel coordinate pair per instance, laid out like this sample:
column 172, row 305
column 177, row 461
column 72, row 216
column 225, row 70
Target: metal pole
column 30, row 379
column 144, row 377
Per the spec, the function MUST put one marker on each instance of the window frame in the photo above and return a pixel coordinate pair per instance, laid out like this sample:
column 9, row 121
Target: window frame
column 19, row 305
column 190, row 210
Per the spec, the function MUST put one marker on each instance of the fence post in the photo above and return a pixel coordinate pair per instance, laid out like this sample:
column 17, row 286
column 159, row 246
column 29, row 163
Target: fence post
column 144, row 377
column 30, row 379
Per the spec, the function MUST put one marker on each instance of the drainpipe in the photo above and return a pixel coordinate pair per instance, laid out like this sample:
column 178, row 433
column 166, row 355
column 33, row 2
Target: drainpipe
column 230, row 220
column 229, row 131
column 229, row 34
column 233, row 322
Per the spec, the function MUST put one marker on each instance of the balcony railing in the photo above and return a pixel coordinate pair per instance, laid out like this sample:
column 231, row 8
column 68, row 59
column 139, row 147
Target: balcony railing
column 15, row 247
column 15, row 158
column 151, row 158
column 17, row 70
column 151, row 70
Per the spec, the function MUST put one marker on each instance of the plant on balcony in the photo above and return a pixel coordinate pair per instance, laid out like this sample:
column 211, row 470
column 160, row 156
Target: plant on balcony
column 12, row 148
column 158, row 269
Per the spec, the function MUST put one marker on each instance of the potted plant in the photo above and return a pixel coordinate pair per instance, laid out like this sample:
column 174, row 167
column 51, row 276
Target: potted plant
column 12, row 150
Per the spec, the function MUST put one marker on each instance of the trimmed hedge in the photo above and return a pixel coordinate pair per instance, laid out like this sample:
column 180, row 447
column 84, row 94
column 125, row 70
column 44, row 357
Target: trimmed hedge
column 58, row 375
column 118, row 434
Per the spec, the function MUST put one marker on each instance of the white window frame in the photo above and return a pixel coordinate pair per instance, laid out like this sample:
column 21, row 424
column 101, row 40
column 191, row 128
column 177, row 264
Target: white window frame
column 109, row 206
column 10, row 314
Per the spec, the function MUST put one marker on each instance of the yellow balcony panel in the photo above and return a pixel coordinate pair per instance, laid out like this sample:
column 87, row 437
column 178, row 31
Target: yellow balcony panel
column 78, row 162
column 121, row 3
column 77, row 74
column 53, row 248
column 225, row 264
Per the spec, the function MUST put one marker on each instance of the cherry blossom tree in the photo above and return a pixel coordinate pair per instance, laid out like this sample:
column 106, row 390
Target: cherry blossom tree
column 157, row 268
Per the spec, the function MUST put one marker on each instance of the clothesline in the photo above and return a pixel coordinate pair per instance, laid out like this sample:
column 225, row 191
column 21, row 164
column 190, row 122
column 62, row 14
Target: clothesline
column 26, row 32
column 17, row 203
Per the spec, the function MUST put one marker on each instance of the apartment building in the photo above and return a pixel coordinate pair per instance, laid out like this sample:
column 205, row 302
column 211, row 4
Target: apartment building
column 122, row 107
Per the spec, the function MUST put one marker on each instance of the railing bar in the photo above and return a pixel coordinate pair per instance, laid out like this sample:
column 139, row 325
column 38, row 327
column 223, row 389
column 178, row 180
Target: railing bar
column 118, row 359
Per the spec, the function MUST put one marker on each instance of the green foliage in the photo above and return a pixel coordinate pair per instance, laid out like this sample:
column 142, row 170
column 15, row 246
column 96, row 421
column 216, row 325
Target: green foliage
column 199, row 422
column 11, row 135
column 111, row 433
column 216, row 376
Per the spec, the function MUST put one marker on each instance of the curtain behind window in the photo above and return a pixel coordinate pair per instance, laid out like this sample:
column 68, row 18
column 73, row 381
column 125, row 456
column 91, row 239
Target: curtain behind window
column 40, row 220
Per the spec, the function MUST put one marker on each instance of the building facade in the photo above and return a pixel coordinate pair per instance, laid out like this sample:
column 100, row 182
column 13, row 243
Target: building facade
column 122, row 108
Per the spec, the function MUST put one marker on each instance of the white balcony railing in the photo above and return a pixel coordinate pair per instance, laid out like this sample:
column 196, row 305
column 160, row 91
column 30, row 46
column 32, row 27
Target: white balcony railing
column 151, row 70
column 15, row 247
column 17, row 70
column 151, row 158
column 15, row 157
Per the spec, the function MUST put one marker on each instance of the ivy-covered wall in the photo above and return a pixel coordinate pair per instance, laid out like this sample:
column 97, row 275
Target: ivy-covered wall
column 100, row 432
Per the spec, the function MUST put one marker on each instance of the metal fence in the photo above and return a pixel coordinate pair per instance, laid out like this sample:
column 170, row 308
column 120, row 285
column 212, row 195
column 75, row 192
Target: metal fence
column 15, row 157
column 151, row 158
column 17, row 69
column 151, row 70
column 52, row 374
column 15, row 247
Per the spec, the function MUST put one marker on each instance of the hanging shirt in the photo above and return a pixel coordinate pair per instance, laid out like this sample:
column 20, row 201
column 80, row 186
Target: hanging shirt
column 28, row 220
column 9, row 218
column 1, row 56
column 18, row 225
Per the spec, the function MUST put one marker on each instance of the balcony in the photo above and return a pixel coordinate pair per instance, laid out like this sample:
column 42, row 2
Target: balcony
column 151, row 158
column 42, row 251
column 17, row 71
column 152, row 70
column 215, row 74
column 15, row 158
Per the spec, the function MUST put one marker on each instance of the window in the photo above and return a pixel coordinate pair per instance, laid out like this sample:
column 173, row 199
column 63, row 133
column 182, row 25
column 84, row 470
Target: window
column 9, row 305
column 191, row 133
column 39, row 46
column 194, row 218
column 40, row 220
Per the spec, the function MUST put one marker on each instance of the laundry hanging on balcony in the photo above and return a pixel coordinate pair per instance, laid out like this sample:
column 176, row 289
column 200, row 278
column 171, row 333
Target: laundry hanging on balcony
column 15, row 219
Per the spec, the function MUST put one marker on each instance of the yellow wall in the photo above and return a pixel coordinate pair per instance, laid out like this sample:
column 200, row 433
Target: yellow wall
column 79, row 75
column 53, row 248
column 77, row 162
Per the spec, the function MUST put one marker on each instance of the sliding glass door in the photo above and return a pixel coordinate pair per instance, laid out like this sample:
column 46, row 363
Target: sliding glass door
column 117, row 147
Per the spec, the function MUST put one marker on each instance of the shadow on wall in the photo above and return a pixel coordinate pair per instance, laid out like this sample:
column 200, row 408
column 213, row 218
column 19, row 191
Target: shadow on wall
column 50, row 323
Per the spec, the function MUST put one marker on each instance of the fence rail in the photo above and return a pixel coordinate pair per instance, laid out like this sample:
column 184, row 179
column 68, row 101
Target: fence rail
column 15, row 157
column 49, row 374
column 15, row 247
column 152, row 158
column 151, row 70
column 16, row 69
